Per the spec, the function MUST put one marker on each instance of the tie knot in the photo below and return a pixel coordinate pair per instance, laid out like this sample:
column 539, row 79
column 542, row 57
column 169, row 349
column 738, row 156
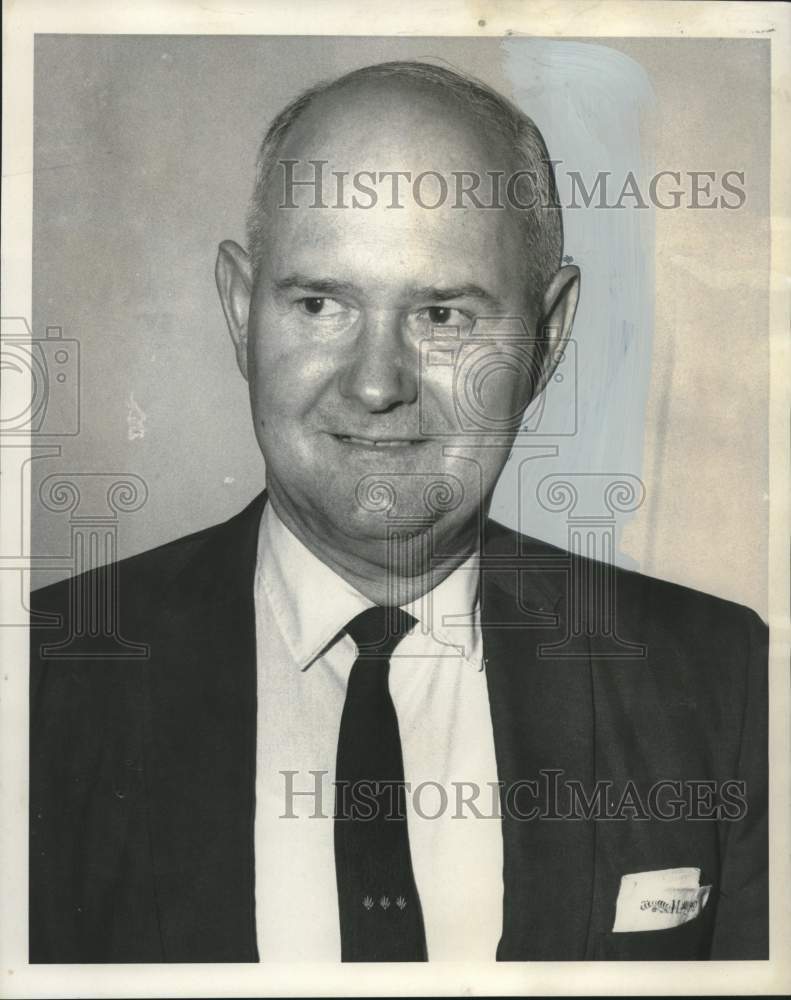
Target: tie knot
column 378, row 630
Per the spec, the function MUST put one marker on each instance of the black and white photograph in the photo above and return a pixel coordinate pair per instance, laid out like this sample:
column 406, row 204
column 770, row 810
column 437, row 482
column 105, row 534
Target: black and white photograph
column 395, row 476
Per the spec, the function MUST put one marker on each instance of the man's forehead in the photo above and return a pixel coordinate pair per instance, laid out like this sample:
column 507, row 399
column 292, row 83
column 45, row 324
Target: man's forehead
column 388, row 255
column 412, row 146
column 410, row 237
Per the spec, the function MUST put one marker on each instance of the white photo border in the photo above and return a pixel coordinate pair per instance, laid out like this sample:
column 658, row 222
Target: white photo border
column 566, row 18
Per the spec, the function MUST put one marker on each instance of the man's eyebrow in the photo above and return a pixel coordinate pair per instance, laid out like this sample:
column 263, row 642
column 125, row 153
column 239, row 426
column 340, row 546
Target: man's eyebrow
column 324, row 286
column 436, row 293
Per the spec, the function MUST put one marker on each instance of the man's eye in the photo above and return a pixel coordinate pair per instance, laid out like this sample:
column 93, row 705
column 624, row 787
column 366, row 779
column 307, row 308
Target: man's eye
column 439, row 315
column 445, row 316
column 320, row 306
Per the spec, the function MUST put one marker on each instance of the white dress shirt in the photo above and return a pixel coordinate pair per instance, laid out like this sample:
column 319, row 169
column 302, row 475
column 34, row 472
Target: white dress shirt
column 438, row 687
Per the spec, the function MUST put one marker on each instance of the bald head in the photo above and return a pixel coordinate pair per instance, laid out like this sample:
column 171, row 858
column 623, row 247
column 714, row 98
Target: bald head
column 381, row 124
column 442, row 124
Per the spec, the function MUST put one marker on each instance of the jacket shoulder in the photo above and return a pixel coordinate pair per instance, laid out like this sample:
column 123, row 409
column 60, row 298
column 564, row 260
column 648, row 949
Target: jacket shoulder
column 642, row 609
column 152, row 568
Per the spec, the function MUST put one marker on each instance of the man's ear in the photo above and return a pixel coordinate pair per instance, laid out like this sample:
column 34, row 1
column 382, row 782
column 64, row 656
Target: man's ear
column 557, row 318
column 234, row 275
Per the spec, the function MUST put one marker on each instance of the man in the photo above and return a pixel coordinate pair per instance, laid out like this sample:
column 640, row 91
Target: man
column 362, row 632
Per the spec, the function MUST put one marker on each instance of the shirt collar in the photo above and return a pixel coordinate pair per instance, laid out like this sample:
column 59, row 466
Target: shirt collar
column 312, row 603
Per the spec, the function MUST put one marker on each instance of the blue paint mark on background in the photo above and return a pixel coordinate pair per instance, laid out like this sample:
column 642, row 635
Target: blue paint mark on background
column 594, row 107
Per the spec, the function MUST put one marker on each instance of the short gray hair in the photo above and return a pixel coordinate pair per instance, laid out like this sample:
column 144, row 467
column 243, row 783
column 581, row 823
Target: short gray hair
column 543, row 221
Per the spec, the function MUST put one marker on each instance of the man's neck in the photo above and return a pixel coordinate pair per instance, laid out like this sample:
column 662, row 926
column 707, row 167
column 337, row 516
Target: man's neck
column 406, row 569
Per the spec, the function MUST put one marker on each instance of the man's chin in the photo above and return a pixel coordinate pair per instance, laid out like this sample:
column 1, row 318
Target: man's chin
column 401, row 532
column 406, row 535
column 361, row 525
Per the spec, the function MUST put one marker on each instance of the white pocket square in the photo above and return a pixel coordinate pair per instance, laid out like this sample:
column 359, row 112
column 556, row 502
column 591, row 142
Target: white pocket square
column 654, row 901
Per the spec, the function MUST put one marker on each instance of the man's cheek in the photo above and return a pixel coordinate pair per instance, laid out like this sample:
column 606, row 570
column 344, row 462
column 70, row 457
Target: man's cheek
column 287, row 385
column 437, row 403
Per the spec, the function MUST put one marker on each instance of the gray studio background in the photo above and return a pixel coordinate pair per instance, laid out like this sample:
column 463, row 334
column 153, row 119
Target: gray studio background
column 144, row 153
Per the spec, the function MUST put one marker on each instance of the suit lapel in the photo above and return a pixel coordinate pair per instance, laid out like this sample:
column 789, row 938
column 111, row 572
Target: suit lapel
column 542, row 716
column 201, row 740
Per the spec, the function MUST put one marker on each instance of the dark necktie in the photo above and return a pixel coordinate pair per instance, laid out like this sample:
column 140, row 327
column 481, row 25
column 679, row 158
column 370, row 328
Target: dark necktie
column 380, row 915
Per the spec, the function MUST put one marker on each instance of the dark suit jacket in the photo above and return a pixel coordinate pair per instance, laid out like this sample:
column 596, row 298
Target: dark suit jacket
column 142, row 766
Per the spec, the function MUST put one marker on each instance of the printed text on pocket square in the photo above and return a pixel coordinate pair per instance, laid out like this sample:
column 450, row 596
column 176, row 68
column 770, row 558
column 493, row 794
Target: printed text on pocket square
column 680, row 906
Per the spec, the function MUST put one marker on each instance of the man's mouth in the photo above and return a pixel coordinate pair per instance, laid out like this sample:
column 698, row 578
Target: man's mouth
column 390, row 442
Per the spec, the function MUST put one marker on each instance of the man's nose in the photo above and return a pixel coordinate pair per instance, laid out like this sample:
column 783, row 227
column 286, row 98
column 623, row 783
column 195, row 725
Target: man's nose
column 381, row 371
